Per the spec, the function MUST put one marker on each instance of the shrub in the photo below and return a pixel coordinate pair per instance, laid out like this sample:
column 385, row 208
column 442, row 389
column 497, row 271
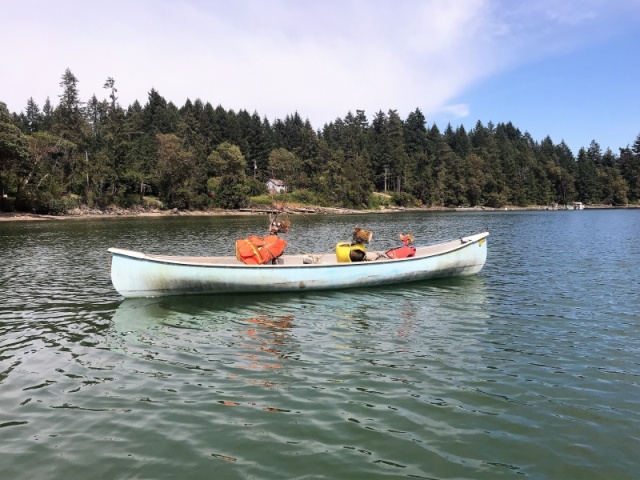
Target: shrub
column 256, row 188
column 378, row 200
column 130, row 200
column 8, row 204
column 305, row 196
column 403, row 199
column 261, row 200
column 496, row 200
column 152, row 202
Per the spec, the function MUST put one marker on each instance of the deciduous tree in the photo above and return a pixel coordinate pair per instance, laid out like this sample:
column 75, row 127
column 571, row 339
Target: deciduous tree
column 229, row 180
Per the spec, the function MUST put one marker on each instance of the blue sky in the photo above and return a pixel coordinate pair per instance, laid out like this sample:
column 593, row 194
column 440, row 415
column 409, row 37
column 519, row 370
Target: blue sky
column 569, row 69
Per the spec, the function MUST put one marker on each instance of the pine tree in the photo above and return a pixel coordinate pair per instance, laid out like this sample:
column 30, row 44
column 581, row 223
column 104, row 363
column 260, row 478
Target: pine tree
column 586, row 178
column 33, row 116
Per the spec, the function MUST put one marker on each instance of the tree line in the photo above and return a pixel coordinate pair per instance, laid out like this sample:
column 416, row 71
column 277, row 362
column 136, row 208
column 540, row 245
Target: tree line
column 98, row 153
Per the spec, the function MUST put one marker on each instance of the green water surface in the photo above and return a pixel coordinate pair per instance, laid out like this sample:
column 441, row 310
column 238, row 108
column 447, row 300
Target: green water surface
column 530, row 369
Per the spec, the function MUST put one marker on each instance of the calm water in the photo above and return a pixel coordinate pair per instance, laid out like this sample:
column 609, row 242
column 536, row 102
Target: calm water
column 529, row 370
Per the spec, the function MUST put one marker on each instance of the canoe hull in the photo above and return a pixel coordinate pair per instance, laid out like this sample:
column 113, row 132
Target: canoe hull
column 135, row 274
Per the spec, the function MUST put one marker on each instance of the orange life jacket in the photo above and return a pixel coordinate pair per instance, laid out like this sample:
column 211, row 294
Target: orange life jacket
column 402, row 252
column 256, row 250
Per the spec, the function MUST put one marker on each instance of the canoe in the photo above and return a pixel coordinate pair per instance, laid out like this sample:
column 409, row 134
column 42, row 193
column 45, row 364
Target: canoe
column 136, row 274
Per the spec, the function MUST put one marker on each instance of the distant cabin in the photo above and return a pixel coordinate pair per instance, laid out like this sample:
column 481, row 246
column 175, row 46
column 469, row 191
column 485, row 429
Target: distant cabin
column 276, row 186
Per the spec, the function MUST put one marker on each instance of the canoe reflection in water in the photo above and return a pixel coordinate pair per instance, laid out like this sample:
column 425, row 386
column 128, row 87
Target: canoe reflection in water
column 255, row 348
column 228, row 345
column 265, row 335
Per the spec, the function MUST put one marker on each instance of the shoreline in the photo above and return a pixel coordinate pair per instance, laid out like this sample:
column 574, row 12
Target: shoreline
column 125, row 213
column 92, row 214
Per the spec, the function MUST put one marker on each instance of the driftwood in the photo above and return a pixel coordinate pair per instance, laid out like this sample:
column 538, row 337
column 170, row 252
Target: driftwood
column 302, row 210
column 258, row 210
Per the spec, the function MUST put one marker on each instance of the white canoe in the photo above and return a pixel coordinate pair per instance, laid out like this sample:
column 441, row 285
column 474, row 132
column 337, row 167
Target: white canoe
column 135, row 274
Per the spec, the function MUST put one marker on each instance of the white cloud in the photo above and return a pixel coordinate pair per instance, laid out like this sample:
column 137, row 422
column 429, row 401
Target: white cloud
column 459, row 110
column 322, row 59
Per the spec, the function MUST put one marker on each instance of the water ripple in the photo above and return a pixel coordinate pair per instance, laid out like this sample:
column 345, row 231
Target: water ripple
column 529, row 369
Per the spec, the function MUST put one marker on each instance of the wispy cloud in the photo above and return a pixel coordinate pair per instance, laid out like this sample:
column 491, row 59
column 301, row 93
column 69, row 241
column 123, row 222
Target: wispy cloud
column 319, row 58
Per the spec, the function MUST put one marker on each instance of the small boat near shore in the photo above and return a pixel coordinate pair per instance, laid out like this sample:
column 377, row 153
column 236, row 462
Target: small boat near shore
column 136, row 274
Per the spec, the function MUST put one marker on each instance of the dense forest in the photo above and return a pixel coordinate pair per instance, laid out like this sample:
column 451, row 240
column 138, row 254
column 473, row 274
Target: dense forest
column 99, row 154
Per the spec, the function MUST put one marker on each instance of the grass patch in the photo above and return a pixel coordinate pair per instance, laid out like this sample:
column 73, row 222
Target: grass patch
column 261, row 200
column 152, row 202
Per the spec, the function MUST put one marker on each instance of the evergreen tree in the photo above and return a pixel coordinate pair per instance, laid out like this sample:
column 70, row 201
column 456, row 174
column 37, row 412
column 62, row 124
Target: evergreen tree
column 476, row 179
column 110, row 84
column 47, row 115
column 33, row 116
column 460, row 143
column 244, row 125
column 308, row 152
column 594, row 152
column 614, row 189
column 353, row 139
column 108, row 153
column 68, row 117
column 230, row 127
column 158, row 115
column 416, row 147
column 399, row 165
column 630, row 169
column 259, row 143
column 415, row 133
column 381, row 155
column 13, row 152
column 586, row 178
column 138, row 145
column 609, row 159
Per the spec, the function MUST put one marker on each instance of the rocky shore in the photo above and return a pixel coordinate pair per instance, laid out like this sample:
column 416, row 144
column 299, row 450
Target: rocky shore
column 92, row 213
column 114, row 212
